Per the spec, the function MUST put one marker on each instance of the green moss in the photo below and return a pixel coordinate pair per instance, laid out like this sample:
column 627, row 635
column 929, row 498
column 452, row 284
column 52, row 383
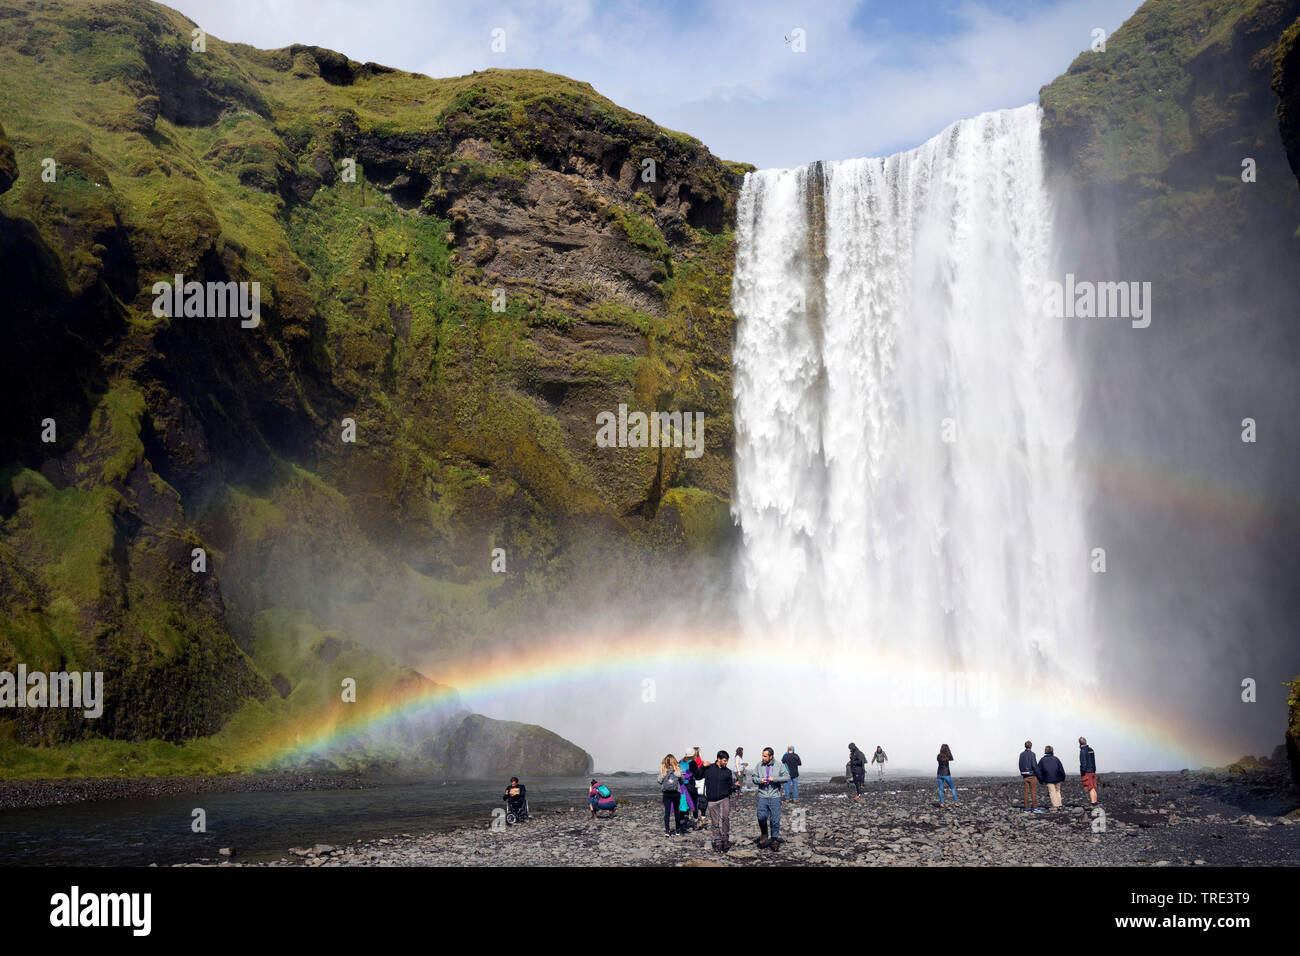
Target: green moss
column 704, row 518
column 119, row 415
column 641, row 233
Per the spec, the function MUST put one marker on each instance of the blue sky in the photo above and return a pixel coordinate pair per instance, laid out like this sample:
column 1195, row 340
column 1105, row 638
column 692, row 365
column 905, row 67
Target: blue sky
column 876, row 77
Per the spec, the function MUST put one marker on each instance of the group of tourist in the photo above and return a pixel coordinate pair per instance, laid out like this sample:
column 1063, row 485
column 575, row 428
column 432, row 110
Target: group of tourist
column 1051, row 773
column 704, row 793
column 720, row 786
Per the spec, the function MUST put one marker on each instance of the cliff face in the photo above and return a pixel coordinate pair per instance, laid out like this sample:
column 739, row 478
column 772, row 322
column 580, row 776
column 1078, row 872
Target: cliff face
column 1174, row 154
column 1286, row 84
column 1155, row 132
column 514, row 254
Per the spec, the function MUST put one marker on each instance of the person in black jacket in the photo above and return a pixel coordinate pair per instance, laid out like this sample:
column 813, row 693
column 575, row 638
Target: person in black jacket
column 1052, row 772
column 515, row 797
column 945, row 758
column 1088, row 769
column 1029, row 773
column 718, row 781
column 792, row 762
column 858, row 768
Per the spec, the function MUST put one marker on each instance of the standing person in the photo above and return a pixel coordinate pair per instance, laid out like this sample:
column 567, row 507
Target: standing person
column 670, row 787
column 858, row 768
column 697, row 773
column 739, row 767
column 1052, row 772
column 1088, row 769
column 718, row 781
column 945, row 774
column 1029, row 774
column 687, row 806
column 792, row 762
column 881, row 758
column 768, row 777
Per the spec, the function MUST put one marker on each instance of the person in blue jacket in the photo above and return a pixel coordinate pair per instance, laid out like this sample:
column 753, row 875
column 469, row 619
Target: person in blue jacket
column 1052, row 773
column 792, row 762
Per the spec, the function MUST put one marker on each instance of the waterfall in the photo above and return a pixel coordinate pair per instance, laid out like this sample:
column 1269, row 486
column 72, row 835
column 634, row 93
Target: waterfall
column 905, row 412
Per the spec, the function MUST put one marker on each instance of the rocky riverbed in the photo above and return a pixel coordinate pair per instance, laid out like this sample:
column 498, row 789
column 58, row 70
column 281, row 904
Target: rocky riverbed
column 1190, row 818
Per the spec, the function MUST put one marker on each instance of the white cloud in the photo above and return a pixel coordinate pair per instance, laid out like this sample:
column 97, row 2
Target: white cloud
column 720, row 71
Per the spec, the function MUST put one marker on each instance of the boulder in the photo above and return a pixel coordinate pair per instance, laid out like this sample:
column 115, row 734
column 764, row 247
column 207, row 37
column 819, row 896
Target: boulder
column 481, row 747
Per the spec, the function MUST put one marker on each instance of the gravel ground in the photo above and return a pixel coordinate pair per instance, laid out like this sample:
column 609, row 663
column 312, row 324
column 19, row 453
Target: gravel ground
column 1190, row 818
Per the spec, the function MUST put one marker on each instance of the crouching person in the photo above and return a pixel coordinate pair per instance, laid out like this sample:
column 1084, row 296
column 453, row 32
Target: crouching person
column 599, row 797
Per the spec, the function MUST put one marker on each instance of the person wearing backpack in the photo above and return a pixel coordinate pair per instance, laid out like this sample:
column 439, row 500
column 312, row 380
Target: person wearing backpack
column 599, row 797
column 792, row 762
column 670, row 786
column 857, row 768
column 686, row 805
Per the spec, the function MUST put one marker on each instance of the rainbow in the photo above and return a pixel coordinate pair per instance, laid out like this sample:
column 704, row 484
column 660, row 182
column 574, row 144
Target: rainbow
column 563, row 665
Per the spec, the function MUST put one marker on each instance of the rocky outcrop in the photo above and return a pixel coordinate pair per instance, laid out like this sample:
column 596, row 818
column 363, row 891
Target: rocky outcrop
column 482, row 748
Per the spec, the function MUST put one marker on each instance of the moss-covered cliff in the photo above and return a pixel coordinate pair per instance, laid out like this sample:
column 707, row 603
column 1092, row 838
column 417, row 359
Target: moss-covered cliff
column 1156, row 130
column 1286, row 84
column 474, row 425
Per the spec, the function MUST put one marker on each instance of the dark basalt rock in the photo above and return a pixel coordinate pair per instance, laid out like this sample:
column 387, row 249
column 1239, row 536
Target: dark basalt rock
column 481, row 747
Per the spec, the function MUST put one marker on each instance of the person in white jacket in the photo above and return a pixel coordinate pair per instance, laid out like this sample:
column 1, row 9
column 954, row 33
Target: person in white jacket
column 738, row 767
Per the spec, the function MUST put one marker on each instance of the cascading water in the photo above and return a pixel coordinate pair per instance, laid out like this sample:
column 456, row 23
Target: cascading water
column 905, row 413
